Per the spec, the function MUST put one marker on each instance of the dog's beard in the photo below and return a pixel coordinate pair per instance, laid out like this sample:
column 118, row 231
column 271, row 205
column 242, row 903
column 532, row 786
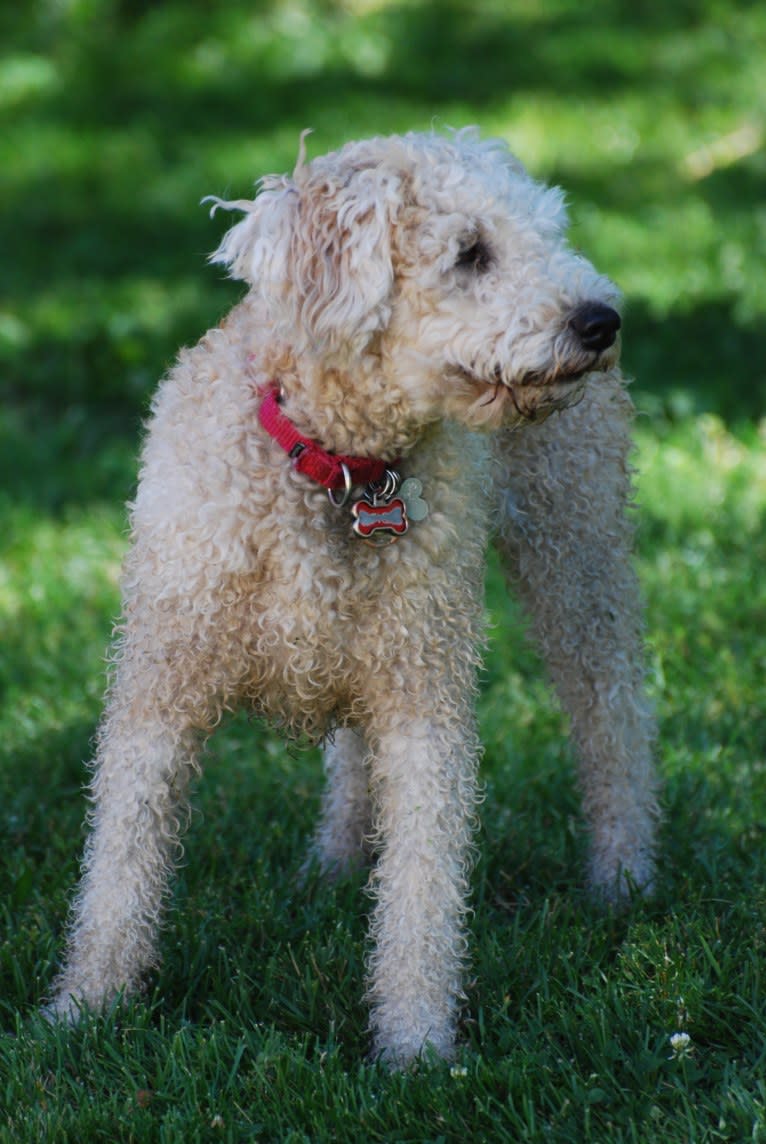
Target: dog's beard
column 494, row 399
column 536, row 402
column 510, row 405
column 494, row 404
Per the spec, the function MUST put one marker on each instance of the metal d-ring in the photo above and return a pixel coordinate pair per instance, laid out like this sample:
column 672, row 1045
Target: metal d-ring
column 383, row 490
column 392, row 480
column 339, row 502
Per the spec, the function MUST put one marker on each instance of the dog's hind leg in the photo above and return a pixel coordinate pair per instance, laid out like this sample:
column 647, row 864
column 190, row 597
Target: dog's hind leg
column 341, row 842
column 566, row 538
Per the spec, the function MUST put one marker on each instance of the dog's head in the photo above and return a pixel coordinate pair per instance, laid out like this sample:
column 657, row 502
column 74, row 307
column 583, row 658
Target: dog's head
column 443, row 260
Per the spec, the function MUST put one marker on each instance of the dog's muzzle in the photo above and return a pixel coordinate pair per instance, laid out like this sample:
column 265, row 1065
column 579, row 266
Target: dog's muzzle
column 583, row 345
column 595, row 326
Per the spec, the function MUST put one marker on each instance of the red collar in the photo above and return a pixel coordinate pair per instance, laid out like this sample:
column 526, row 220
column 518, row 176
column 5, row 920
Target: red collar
column 309, row 457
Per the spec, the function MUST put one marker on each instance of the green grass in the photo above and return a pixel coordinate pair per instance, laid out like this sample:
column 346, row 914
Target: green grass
column 117, row 118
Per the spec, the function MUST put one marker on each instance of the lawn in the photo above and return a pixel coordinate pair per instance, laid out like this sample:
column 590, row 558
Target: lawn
column 117, row 118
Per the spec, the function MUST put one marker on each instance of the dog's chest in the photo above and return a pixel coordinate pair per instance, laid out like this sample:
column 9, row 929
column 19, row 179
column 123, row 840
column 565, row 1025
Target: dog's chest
column 317, row 639
column 329, row 619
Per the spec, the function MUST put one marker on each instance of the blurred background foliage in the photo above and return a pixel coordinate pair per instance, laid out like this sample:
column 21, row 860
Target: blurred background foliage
column 117, row 118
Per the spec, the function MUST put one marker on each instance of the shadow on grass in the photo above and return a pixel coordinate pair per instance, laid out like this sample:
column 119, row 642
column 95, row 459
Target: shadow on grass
column 691, row 361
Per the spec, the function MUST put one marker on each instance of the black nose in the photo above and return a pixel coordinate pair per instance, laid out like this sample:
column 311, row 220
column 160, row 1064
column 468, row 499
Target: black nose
column 596, row 325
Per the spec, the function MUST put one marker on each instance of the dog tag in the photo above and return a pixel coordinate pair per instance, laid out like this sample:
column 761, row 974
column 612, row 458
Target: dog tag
column 379, row 524
column 416, row 507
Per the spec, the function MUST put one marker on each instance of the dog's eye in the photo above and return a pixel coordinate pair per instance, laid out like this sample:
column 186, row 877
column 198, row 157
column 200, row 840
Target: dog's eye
column 476, row 256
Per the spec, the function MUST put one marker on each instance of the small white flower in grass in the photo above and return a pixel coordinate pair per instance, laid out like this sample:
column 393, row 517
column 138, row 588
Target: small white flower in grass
column 681, row 1044
column 458, row 1071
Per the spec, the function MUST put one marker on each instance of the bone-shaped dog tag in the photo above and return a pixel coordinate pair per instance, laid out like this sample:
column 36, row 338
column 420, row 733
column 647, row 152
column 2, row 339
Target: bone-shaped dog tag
column 417, row 508
column 379, row 524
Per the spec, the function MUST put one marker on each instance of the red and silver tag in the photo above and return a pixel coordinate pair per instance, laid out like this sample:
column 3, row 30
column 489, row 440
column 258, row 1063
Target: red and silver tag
column 380, row 524
column 386, row 508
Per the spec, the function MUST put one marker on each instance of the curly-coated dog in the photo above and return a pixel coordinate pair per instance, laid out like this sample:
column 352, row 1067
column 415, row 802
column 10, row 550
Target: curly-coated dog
column 309, row 539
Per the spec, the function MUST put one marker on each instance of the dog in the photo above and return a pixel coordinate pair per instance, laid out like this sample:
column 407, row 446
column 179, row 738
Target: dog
column 419, row 358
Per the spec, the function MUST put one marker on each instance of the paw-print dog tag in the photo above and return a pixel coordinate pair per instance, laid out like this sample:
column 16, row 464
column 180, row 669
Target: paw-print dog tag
column 417, row 508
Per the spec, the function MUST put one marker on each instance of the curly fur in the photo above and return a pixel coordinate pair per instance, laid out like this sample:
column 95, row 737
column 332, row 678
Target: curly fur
column 404, row 293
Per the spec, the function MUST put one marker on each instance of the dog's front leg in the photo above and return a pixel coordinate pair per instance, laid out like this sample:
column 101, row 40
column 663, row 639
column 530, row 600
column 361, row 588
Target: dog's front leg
column 566, row 537
column 144, row 756
column 424, row 790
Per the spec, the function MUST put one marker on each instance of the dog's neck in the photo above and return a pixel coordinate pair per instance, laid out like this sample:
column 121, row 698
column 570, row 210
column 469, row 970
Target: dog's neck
column 331, row 470
column 342, row 413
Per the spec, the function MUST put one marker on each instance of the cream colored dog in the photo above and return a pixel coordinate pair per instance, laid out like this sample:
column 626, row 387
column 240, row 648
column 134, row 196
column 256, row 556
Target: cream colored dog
column 309, row 536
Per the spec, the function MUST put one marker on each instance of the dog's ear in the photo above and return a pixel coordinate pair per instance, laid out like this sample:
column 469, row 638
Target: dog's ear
column 257, row 248
column 318, row 249
column 340, row 255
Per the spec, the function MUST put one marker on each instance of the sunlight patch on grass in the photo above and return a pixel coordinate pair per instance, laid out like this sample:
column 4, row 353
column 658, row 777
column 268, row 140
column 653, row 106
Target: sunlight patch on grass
column 588, row 135
column 674, row 257
column 46, row 560
column 723, row 151
column 701, row 471
column 58, row 593
column 291, row 40
column 701, row 551
column 25, row 77
column 131, row 307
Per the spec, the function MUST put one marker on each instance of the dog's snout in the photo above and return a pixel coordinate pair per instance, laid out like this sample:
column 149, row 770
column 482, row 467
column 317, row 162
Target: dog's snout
column 596, row 325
